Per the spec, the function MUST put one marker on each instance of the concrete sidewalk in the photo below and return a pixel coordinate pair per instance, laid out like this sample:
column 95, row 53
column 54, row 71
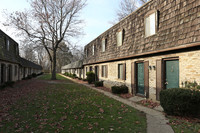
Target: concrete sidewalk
column 156, row 121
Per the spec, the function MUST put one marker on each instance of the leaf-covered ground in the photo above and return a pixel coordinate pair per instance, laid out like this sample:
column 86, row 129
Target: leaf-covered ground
column 63, row 106
column 184, row 124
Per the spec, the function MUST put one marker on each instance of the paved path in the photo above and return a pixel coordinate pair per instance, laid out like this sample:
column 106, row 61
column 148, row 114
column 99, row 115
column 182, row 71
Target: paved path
column 156, row 121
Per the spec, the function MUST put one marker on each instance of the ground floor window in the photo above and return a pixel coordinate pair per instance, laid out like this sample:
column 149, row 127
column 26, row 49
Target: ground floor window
column 90, row 68
column 104, row 71
column 122, row 71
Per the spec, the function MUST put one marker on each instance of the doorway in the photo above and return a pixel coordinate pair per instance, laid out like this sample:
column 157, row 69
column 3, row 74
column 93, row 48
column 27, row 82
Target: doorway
column 171, row 74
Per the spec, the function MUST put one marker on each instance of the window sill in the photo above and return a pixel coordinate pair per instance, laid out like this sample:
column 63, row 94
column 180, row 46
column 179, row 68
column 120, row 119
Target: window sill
column 150, row 35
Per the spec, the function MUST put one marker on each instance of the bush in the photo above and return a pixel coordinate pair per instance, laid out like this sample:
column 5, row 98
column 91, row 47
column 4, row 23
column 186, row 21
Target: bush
column 29, row 77
column 90, row 77
column 182, row 102
column 192, row 85
column 10, row 83
column 74, row 76
column 119, row 89
column 2, row 87
column 34, row 75
column 7, row 84
column 98, row 83
column 79, row 78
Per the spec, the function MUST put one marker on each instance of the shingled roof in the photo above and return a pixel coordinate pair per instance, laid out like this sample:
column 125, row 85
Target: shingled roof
column 74, row 65
column 27, row 63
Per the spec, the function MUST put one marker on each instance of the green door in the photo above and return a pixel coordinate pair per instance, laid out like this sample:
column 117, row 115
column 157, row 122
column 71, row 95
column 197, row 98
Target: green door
column 172, row 74
column 140, row 78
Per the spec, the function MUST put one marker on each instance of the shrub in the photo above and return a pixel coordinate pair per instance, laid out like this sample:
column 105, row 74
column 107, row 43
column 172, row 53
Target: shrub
column 183, row 102
column 34, row 75
column 98, row 83
column 74, row 76
column 2, row 87
column 119, row 89
column 90, row 77
column 9, row 83
column 79, row 78
column 29, row 77
column 191, row 85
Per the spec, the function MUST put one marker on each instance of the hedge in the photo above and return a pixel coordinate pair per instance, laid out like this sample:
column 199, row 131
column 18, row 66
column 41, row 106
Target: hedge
column 90, row 77
column 119, row 89
column 182, row 102
column 98, row 83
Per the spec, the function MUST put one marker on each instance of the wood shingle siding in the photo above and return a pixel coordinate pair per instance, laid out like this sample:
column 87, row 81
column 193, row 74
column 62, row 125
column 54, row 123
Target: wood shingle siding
column 177, row 24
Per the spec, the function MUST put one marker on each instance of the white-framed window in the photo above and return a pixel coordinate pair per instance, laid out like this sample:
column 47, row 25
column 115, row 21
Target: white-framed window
column 150, row 24
column 93, row 50
column 122, row 71
column 8, row 45
column 119, row 38
column 103, row 45
column 104, row 71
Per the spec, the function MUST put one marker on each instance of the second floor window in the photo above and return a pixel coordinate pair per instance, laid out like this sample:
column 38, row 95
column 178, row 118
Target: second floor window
column 93, row 50
column 8, row 45
column 150, row 24
column 103, row 45
column 86, row 53
column 119, row 38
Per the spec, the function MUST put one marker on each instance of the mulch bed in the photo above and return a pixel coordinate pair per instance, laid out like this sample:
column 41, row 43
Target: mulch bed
column 149, row 103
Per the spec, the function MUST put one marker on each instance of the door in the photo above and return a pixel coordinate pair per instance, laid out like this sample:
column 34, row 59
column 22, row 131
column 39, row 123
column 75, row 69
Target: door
column 172, row 74
column 140, row 78
column 96, row 73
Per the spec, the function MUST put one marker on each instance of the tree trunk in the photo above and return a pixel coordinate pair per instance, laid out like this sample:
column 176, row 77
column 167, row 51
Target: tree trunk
column 53, row 75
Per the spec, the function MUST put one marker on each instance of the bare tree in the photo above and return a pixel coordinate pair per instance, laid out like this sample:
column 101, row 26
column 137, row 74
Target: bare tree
column 126, row 7
column 64, row 56
column 49, row 22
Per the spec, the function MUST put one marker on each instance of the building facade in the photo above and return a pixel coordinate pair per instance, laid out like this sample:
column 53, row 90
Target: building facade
column 156, row 47
column 12, row 66
column 74, row 68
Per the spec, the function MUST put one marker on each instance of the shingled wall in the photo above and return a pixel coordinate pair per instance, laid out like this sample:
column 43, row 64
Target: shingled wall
column 178, row 24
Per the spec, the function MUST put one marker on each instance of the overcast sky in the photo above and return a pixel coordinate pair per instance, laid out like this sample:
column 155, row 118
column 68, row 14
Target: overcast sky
column 97, row 15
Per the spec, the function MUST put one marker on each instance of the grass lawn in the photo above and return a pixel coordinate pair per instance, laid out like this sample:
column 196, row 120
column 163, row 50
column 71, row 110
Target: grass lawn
column 184, row 125
column 70, row 107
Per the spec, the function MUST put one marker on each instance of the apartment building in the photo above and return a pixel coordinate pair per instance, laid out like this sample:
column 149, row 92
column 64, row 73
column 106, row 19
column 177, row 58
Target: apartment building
column 156, row 47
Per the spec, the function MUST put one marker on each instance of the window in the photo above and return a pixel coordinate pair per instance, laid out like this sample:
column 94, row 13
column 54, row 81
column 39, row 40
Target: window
column 103, row 44
column 104, row 71
column 122, row 71
column 86, row 70
column 86, row 53
column 90, row 68
column 119, row 38
column 93, row 50
column 8, row 45
column 150, row 24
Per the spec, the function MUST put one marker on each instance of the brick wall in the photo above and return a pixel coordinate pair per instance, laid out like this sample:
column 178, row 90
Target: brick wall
column 179, row 24
column 189, row 70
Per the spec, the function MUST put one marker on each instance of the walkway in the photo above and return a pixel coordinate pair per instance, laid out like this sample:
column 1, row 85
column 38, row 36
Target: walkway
column 156, row 121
